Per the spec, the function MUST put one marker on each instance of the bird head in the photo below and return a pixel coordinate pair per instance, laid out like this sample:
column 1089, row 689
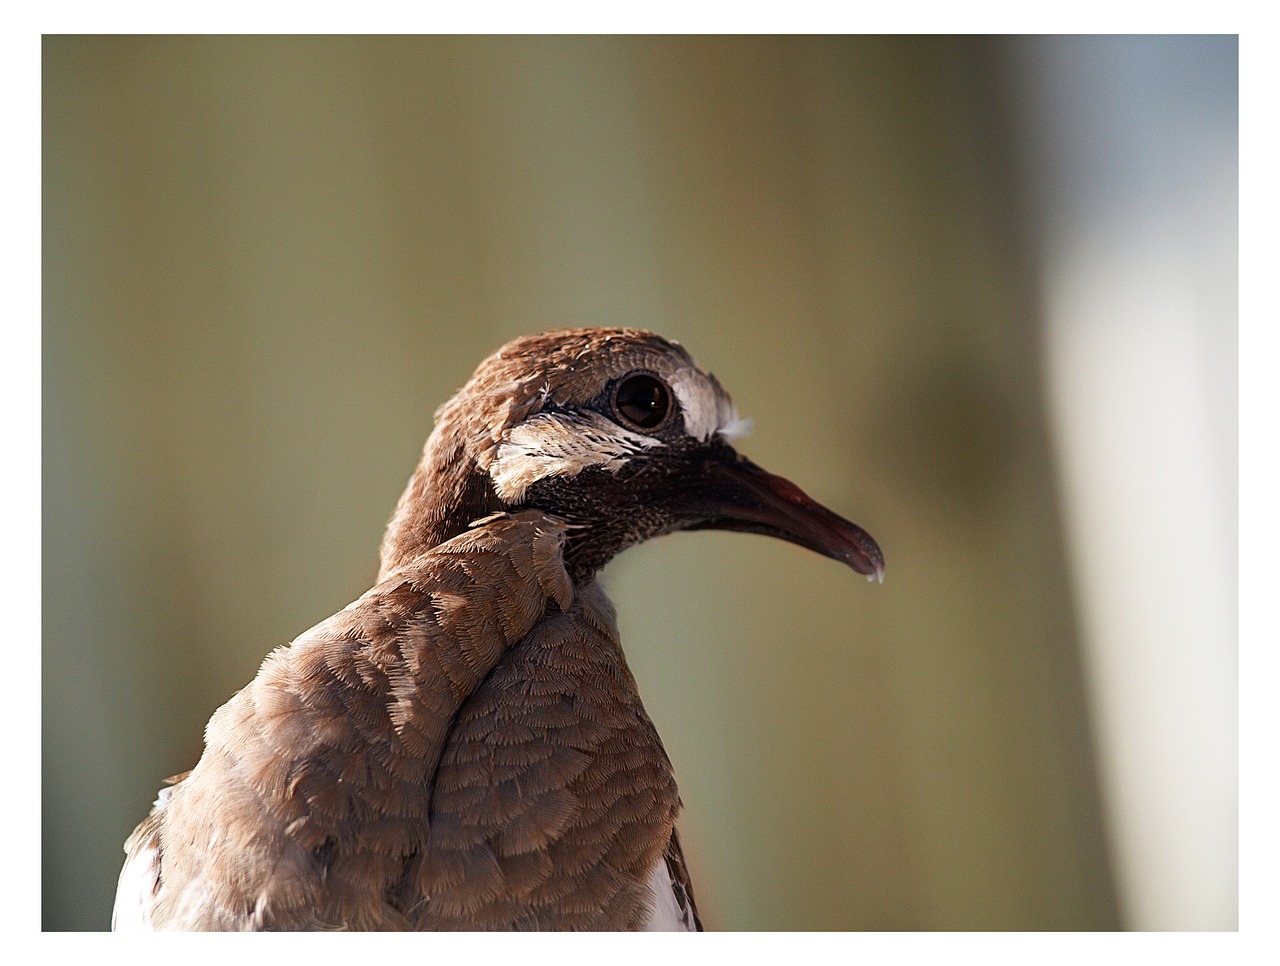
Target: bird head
column 619, row 433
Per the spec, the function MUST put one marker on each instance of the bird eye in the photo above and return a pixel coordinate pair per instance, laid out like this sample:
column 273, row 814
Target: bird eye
column 642, row 400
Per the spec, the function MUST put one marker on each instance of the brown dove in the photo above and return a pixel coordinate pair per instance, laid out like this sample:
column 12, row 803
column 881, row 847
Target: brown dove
column 464, row 747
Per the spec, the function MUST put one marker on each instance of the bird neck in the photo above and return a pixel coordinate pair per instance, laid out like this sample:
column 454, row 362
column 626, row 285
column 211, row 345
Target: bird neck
column 445, row 495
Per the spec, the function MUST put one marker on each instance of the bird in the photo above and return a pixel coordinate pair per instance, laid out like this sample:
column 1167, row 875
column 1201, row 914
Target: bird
column 464, row 747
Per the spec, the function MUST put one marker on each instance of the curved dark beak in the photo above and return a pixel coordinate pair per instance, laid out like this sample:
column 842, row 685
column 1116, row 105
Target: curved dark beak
column 733, row 493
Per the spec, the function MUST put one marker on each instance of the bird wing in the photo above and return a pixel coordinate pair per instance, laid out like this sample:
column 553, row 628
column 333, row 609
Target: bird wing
column 309, row 806
column 554, row 804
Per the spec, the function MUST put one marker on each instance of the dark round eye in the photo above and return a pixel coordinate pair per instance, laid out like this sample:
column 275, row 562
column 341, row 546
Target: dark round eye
column 642, row 400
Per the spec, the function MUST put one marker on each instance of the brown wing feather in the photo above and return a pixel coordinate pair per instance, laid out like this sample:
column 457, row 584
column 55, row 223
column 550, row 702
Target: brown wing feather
column 681, row 883
column 554, row 798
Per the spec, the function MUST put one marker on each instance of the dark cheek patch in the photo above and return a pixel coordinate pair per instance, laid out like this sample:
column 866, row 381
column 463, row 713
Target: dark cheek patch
column 613, row 510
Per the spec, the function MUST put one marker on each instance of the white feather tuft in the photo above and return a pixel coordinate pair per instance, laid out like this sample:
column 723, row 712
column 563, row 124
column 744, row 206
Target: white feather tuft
column 666, row 916
column 736, row 428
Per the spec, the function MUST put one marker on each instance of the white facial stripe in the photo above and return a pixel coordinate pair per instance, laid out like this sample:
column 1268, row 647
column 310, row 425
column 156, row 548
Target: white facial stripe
column 705, row 407
column 560, row 444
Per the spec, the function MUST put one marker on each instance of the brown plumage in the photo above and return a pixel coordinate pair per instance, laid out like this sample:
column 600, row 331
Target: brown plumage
column 464, row 746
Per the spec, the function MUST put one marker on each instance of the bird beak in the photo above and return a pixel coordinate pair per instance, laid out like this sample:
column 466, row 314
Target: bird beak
column 733, row 493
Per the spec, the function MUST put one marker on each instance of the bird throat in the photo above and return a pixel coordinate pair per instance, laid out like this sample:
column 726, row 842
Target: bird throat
column 607, row 512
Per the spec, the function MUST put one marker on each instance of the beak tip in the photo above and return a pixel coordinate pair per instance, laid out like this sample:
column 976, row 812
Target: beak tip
column 876, row 574
column 745, row 497
column 864, row 555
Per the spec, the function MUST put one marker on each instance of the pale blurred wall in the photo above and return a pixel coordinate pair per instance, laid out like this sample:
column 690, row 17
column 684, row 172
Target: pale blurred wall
column 267, row 261
column 1132, row 160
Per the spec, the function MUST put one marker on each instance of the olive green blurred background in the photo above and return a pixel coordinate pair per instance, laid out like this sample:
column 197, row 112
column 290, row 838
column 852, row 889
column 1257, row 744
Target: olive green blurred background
column 268, row 260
